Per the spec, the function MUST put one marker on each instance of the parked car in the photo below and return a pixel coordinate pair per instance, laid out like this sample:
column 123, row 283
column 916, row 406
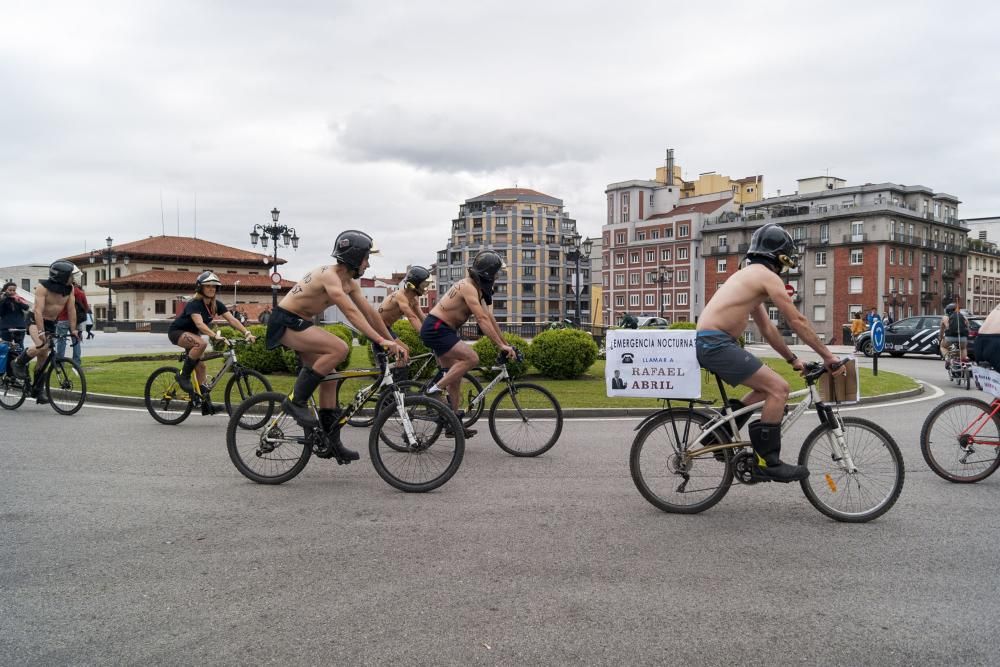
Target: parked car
column 914, row 335
column 653, row 323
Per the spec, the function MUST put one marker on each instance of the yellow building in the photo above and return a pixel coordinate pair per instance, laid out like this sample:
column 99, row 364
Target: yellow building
column 745, row 190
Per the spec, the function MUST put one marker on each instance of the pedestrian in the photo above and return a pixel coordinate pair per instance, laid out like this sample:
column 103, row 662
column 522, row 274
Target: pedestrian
column 90, row 323
column 857, row 326
column 12, row 311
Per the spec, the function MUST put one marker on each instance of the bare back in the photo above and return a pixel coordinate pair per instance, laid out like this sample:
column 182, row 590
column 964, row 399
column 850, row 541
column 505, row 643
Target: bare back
column 400, row 303
column 731, row 306
column 312, row 295
column 454, row 308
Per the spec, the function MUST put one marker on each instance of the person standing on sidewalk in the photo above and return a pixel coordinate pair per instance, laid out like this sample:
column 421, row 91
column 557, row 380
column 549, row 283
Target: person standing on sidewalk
column 12, row 311
column 62, row 322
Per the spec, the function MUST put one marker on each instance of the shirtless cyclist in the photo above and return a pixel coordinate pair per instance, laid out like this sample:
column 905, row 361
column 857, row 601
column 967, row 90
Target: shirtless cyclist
column 771, row 252
column 291, row 325
column 51, row 296
column 403, row 302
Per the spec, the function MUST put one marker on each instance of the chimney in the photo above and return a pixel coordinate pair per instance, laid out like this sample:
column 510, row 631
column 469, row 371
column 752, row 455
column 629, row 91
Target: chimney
column 670, row 166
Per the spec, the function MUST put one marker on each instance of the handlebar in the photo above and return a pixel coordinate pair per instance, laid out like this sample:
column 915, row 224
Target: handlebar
column 814, row 369
column 502, row 357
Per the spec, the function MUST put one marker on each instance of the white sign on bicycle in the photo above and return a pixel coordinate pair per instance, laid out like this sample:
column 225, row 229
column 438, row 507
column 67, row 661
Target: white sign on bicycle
column 987, row 379
column 652, row 363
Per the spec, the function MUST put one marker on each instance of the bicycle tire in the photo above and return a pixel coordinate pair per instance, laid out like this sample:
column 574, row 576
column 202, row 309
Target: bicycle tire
column 162, row 392
column 283, row 455
column 861, row 496
column 439, row 457
column 13, row 392
column 63, row 397
column 245, row 383
column 528, row 407
column 657, row 452
column 942, row 450
column 347, row 390
column 469, row 389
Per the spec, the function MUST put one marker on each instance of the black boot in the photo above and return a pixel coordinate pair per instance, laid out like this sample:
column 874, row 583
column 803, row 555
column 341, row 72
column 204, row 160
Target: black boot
column 184, row 379
column 328, row 418
column 20, row 366
column 766, row 442
column 207, row 407
column 297, row 405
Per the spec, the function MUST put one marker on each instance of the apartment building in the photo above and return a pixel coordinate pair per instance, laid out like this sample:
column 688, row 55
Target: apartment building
column 897, row 248
column 528, row 229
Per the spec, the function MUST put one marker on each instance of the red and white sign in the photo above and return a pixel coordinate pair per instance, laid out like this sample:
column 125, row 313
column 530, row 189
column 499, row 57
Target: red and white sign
column 790, row 290
column 276, row 278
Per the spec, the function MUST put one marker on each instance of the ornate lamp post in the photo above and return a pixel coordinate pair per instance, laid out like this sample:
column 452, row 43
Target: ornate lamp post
column 107, row 255
column 274, row 231
column 577, row 248
column 665, row 275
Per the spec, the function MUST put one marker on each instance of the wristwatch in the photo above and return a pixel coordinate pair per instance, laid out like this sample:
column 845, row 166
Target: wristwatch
column 793, row 359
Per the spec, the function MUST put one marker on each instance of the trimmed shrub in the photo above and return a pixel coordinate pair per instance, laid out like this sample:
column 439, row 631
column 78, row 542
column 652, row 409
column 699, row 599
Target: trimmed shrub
column 256, row 355
column 563, row 354
column 411, row 338
column 683, row 325
column 487, row 352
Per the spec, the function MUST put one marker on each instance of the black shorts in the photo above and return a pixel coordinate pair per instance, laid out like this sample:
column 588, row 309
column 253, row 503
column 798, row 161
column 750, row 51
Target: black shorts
column 987, row 348
column 438, row 336
column 721, row 353
column 175, row 335
column 280, row 321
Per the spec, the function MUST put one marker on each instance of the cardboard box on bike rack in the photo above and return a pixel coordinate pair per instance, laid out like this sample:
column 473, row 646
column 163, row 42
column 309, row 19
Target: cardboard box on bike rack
column 841, row 388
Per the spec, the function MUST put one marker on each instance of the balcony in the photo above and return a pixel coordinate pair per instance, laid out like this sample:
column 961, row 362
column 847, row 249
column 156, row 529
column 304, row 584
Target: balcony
column 855, row 238
column 926, row 270
column 948, row 274
column 927, row 296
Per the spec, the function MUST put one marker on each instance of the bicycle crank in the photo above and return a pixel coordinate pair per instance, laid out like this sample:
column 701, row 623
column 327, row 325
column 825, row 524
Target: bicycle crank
column 744, row 464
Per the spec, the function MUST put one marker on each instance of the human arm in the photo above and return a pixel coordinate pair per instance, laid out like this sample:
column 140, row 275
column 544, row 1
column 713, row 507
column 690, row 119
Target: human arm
column 486, row 321
column 362, row 315
column 773, row 337
column 412, row 312
column 199, row 323
column 775, row 289
column 236, row 324
column 40, row 295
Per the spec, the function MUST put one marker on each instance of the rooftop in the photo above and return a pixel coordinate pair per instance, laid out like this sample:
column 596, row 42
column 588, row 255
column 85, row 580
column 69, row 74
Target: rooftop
column 516, row 195
column 184, row 280
column 184, row 250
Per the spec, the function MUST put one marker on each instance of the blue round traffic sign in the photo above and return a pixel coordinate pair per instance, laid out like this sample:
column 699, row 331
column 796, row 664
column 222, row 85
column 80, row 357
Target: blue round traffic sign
column 878, row 336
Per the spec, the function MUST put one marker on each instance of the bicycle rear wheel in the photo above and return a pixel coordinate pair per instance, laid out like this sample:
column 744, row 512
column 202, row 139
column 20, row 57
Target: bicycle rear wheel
column 65, row 386
column 855, row 497
column 276, row 449
column 952, row 453
column 468, row 390
column 669, row 479
column 525, row 419
column 12, row 392
column 428, row 460
column 242, row 385
column 166, row 402
column 347, row 390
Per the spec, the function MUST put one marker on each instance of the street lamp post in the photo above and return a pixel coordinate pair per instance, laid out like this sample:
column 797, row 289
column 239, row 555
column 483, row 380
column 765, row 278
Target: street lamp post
column 107, row 255
column 235, row 285
column 893, row 302
column 577, row 249
column 274, row 231
column 664, row 276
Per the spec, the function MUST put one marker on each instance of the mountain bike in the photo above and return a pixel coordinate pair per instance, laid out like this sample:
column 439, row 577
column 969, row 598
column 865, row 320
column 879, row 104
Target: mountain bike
column 168, row 404
column 58, row 379
column 960, row 438
column 270, row 447
column 684, row 460
column 959, row 369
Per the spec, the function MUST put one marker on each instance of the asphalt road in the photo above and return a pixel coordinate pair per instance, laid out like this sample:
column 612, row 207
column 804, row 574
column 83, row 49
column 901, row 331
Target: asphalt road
column 127, row 542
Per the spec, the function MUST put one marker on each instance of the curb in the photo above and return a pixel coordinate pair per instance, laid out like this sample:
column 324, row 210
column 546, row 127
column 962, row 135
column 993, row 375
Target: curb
column 568, row 413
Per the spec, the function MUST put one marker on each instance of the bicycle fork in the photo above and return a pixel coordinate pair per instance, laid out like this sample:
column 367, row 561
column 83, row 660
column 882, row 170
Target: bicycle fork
column 411, row 436
column 841, row 453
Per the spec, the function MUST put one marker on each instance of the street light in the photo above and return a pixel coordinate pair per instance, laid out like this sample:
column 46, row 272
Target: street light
column 274, row 231
column 664, row 277
column 893, row 302
column 108, row 255
column 577, row 250
column 235, row 285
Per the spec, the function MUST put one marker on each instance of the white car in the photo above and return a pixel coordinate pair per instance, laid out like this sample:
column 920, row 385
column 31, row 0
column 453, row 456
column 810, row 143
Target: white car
column 653, row 323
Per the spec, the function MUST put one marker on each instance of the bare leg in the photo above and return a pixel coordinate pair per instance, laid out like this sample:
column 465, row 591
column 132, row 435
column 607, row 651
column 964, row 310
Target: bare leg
column 458, row 360
column 773, row 389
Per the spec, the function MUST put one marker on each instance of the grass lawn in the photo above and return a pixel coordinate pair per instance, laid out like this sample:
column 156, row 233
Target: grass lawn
column 118, row 375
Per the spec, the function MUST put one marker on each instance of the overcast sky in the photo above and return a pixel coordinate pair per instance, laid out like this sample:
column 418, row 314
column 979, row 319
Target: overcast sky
column 385, row 116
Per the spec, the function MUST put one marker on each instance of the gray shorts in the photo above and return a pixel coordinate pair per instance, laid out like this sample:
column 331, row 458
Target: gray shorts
column 721, row 353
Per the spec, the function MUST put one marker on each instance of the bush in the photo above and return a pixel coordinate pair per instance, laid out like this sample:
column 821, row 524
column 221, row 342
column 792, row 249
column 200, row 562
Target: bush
column 563, row 354
column 488, row 351
column 256, row 355
column 683, row 325
column 345, row 334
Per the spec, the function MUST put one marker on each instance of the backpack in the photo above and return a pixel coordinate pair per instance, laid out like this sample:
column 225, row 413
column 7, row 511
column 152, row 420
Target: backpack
column 4, row 349
column 81, row 314
column 958, row 326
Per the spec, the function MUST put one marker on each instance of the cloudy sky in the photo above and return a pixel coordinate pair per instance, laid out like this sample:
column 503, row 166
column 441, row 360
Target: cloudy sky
column 385, row 116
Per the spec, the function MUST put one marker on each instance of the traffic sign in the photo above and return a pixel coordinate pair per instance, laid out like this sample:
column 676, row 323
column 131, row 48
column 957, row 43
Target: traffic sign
column 790, row 290
column 276, row 278
column 878, row 336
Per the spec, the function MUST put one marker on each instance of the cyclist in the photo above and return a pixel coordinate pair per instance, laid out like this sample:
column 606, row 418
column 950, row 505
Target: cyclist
column 290, row 324
column 12, row 311
column 439, row 331
column 62, row 322
column 51, row 296
column 771, row 252
column 187, row 328
column 403, row 302
column 954, row 329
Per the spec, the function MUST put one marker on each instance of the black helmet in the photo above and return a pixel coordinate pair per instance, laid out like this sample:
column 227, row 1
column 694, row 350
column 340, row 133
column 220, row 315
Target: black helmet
column 950, row 308
column 61, row 271
column 415, row 279
column 485, row 267
column 351, row 248
column 775, row 245
column 206, row 278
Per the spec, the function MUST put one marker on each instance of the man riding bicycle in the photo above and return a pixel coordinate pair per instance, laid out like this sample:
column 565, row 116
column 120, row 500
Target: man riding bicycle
column 771, row 252
column 404, row 301
column 954, row 330
column 290, row 324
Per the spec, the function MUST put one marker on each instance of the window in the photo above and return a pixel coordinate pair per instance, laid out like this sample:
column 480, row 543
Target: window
column 854, row 308
column 819, row 286
column 528, row 255
column 650, row 255
column 856, row 256
column 640, row 236
column 633, row 278
column 83, row 278
column 821, row 258
column 682, row 276
column 772, row 313
column 118, row 272
column 650, row 277
column 501, row 221
column 855, row 284
column 619, row 259
column 682, row 253
column 633, row 258
column 682, row 231
column 909, row 286
column 720, row 266
column 633, row 299
column 26, row 284
column 668, row 232
column 723, row 240
column 857, row 230
column 892, row 284
column 819, row 313
column 666, row 299
column 665, row 255
column 527, row 238
column 625, row 206
column 528, row 271
column 682, row 298
column 619, row 280
column 160, row 307
column 650, row 300
column 604, row 280
column 477, row 223
column 824, row 232
column 892, row 255
column 655, row 234
column 620, row 300
column 620, row 238
column 527, row 223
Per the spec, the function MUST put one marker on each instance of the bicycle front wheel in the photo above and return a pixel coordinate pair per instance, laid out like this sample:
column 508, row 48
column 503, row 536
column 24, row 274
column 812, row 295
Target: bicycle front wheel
column 387, row 401
column 428, row 459
column 12, row 392
column 276, row 449
column 165, row 400
column 854, row 497
column 347, row 390
column 525, row 419
column 242, row 385
column 960, row 441
column 664, row 473
column 65, row 386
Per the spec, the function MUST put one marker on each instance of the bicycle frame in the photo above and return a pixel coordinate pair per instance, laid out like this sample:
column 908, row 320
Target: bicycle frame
column 969, row 438
column 502, row 376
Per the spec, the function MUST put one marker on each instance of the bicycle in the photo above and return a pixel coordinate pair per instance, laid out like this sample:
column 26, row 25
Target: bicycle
column 61, row 379
column 960, row 438
column 168, row 404
column 858, row 464
column 959, row 369
column 270, row 447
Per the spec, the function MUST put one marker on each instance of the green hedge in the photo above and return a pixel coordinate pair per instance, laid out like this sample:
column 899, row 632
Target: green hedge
column 411, row 338
column 563, row 354
column 683, row 325
column 259, row 358
column 488, row 351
